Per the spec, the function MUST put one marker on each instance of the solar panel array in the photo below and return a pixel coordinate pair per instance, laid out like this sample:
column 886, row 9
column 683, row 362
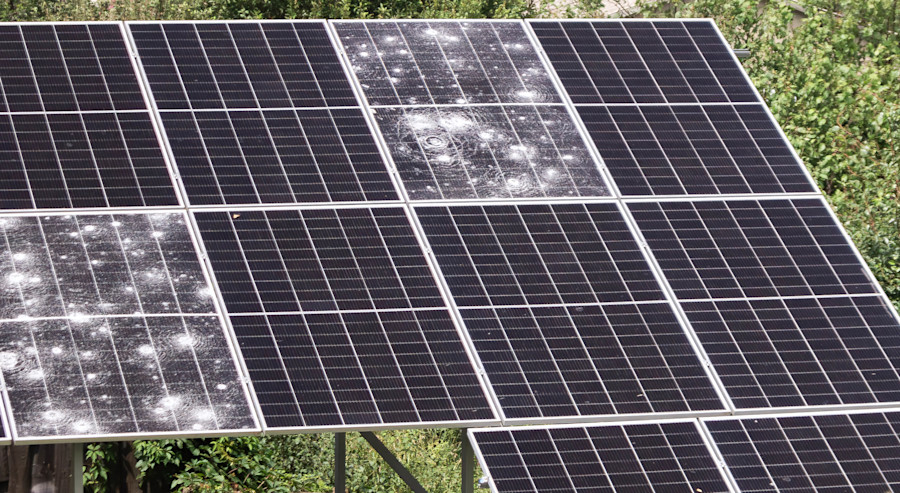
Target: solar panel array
column 214, row 228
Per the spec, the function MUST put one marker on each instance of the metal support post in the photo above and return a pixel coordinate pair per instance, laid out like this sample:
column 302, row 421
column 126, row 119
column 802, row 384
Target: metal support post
column 340, row 462
column 78, row 468
column 468, row 464
column 392, row 461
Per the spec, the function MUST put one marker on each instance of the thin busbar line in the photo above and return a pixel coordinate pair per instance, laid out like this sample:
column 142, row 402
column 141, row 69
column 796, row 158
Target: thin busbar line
column 459, row 310
column 575, row 327
column 274, row 339
column 512, row 272
column 418, row 324
column 165, row 134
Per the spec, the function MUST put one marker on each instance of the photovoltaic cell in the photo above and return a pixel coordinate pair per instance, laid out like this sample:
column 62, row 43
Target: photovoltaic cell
column 629, row 458
column 422, row 63
column 530, row 281
column 856, row 452
column 241, row 65
column 643, row 62
column 674, row 150
column 339, row 318
column 801, row 351
column 277, row 156
column 751, row 249
column 108, row 327
column 66, row 67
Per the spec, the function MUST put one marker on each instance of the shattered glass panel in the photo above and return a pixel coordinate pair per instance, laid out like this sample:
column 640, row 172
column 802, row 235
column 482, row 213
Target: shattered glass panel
column 107, row 326
column 80, row 265
column 403, row 63
column 105, row 375
column 489, row 152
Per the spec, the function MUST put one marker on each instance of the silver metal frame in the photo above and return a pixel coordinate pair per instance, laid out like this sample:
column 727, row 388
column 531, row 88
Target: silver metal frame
column 702, row 432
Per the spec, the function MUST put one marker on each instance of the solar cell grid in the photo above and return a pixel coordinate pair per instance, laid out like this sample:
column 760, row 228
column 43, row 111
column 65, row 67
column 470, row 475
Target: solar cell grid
column 855, row 452
column 751, row 249
column 66, row 67
column 422, row 63
column 339, row 319
column 277, row 156
column 241, row 65
column 592, row 360
column 360, row 368
column 622, row 458
column 506, row 255
column 76, row 160
column 643, row 62
column 318, row 260
column 675, row 150
column 801, row 351
column 107, row 326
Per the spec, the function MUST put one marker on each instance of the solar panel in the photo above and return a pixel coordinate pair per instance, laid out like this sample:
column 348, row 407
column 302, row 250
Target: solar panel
column 751, row 249
column 74, row 127
column 688, row 149
column 468, row 110
column 611, row 62
column 109, row 327
column 670, row 456
column 339, row 319
column 260, row 113
column 532, row 283
column 830, row 452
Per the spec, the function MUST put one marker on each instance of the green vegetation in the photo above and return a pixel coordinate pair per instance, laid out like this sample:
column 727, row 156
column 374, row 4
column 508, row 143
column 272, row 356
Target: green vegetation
column 831, row 77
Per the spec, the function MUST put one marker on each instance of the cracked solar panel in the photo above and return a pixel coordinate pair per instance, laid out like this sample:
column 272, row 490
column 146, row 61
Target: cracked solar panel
column 420, row 62
column 489, row 152
column 109, row 327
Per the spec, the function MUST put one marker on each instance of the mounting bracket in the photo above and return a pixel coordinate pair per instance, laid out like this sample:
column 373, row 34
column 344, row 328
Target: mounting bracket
column 340, row 463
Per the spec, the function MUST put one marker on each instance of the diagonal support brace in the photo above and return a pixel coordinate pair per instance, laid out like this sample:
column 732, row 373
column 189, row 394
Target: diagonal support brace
column 392, row 461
